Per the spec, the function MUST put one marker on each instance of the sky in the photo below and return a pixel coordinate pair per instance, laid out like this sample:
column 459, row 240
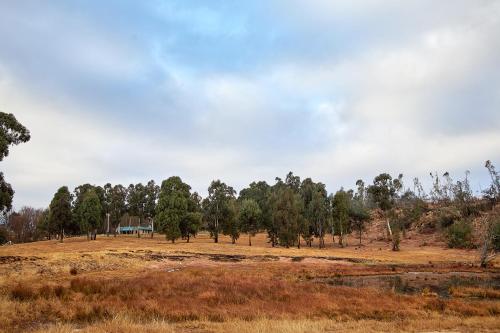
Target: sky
column 128, row 91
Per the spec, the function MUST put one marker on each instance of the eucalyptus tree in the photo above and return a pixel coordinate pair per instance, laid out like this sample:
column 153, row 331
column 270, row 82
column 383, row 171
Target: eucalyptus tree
column 384, row 192
column 12, row 132
column 287, row 216
column 117, row 203
column 136, row 202
column 60, row 216
column 318, row 210
column 89, row 213
column 250, row 218
column 217, row 209
column 191, row 222
column 78, row 196
column 359, row 215
column 260, row 192
column 151, row 192
column 231, row 226
column 172, row 207
column 340, row 212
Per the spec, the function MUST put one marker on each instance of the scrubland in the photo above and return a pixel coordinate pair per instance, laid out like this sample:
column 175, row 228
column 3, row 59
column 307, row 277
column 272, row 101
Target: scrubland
column 130, row 284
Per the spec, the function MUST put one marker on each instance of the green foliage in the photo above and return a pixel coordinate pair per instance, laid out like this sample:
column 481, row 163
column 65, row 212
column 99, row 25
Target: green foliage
column 116, row 197
column 45, row 228
column 317, row 212
column 151, row 192
column 60, row 216
column 190, row 224
column 6, row 195
column 217, row 210
column 136, row 200
column 340, row 213
column 287, row 216
column 172, row 207
column 250, row 216
column 89, row 212
column 447, row 216
column 11, row 133
column 260, row 192
column 412, row 208
column 384, row 190
column 359, row 215
column 231, row 226
column 459, row 235
column 4, row 235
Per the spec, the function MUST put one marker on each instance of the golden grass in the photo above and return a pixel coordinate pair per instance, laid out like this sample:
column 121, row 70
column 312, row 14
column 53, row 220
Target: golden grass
column 126, row 284
column 434, row 324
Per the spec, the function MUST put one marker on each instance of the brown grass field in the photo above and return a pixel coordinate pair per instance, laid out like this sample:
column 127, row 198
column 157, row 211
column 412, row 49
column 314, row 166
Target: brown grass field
column 130, row 284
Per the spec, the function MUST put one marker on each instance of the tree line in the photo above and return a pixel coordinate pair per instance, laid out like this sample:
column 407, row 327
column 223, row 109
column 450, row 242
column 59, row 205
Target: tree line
column 291, row 211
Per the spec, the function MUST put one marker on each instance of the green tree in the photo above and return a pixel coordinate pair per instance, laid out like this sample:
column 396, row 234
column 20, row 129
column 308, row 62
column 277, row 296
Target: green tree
column 216, row 208
column 287, row 216
column 116, row 198
column 359, row 215
column 152, row 191
column 11, row 133
column 340, row 212
column 260, row 192
column 44, row 227
column 172, row 207
column 60, row 216
column 318, row 212
column 90, row 213
column 384, row 192
column 231, row 225
column 250, row 218
column 191, row 222
column 136, row 202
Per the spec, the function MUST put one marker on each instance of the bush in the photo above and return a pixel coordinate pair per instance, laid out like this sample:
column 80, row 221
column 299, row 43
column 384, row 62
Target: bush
column 447, row 216
column 459, row 235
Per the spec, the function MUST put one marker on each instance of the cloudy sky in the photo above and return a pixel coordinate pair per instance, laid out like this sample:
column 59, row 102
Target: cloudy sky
column 127, row 91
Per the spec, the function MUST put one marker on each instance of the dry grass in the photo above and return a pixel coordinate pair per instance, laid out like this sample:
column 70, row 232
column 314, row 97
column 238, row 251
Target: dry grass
column 126, row 284
column 434, row 324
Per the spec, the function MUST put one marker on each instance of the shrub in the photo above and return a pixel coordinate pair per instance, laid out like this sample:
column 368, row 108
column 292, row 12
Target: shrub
column 459, row 235
column 22, row 292
column 447, row 216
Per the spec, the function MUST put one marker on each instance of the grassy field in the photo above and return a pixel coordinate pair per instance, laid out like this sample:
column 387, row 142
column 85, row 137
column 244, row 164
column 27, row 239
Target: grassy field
column 130, row 284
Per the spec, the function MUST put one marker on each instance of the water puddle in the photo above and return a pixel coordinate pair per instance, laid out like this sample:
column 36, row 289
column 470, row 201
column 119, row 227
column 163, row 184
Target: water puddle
column 416, row 282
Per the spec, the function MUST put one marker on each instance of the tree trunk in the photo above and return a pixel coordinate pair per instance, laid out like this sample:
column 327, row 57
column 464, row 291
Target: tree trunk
column 233, row 240
column 249, row 240
column 216, row 238
column 341, row 237
column 389, row 229
column 187, row 239
column 333, row 235
column 360, row 236
column 298, row 244
column 173, row 241
column 62, row 235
